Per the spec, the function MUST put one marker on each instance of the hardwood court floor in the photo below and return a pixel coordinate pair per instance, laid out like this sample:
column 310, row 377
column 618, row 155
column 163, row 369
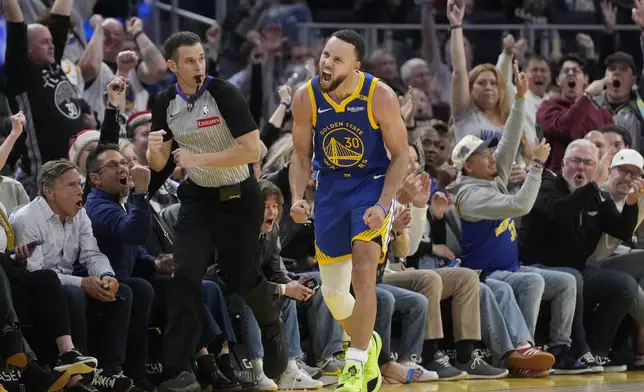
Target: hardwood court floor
column 608, row 382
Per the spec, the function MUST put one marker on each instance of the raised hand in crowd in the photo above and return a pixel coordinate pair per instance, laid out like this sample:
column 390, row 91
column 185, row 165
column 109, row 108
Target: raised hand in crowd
column 95, row 288
column 604, row 164
column 455, row 12
column 637, row 190
column 409, row 189
column 609, row 12
column 541, row 151
column 408, row 105
column 637, row 13
column 126, row 61
column 17, row 123
column 522, row 80
column 140, row 176
column 116, row 91
column 213, row 39
column 134, row 26
column 402, row 218
column 286, row 94
column 446, row 175
column 517, row 174
column 95, row 21
column 439, row 205
column 587, row 43
column 423, row 190
column 273, row 40
column 597, row 87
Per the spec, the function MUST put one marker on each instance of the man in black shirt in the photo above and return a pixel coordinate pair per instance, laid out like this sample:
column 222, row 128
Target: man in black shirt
column 220, row 206
column 36, row 84
column 562, row 231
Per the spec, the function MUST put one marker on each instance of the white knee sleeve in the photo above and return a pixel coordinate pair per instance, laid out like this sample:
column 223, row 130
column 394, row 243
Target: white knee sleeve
column 336, row 283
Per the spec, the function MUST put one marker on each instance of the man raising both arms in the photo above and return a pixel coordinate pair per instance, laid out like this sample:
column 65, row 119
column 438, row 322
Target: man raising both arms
column 221, row 206
column 356, row 125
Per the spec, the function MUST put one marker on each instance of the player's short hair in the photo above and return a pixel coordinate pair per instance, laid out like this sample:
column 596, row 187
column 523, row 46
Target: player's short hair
column 353, row 38
column 177, row 40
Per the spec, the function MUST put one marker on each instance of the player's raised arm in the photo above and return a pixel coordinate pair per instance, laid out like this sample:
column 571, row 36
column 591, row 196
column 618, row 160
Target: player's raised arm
column 300, row 167
column 386, row 110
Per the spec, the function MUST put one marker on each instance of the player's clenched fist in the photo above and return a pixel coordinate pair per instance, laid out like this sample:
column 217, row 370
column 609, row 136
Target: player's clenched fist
column 374, row 217
column 300, row 211
column 155, row 141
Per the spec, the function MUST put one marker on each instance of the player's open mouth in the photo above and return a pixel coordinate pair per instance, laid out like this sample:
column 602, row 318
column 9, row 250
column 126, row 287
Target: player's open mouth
column 326, row 76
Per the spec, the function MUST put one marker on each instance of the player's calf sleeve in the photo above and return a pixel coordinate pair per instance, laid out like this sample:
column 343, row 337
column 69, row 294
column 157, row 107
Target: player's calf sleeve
column 336, row 283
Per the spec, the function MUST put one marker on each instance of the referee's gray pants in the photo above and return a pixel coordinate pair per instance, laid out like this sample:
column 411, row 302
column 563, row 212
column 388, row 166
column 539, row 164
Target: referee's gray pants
column 206, row 223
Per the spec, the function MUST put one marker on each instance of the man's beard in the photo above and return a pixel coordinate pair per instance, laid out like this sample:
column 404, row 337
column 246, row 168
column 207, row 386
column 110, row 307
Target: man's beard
column 334, row 83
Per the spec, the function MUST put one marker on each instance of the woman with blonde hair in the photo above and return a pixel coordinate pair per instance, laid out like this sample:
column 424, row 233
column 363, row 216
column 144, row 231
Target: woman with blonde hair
column 278, row 154
column 480, row 101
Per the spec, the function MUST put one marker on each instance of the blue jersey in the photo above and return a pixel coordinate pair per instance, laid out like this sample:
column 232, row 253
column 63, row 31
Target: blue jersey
column 346, row 136
column 350, row 159
column 489, row 245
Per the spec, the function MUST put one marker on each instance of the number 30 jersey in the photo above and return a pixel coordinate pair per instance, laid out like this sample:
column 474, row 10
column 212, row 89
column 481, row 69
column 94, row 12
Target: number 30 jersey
column 346, row 137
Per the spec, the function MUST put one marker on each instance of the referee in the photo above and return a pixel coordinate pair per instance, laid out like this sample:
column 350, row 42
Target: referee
column 220, row 206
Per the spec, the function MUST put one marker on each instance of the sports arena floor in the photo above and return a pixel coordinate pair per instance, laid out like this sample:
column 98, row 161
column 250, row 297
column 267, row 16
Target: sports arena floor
column 609, row 382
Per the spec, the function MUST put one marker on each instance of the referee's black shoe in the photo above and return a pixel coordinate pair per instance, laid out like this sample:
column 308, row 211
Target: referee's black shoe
column 275, row 352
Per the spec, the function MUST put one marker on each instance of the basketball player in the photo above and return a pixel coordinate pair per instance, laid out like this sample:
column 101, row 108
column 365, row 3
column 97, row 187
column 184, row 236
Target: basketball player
column 350, row 124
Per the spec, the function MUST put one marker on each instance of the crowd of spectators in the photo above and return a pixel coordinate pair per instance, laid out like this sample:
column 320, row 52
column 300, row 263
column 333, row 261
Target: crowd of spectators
column 516, row 244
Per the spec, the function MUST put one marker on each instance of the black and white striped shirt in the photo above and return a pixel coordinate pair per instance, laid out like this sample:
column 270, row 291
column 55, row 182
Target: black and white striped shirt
column 209, row 122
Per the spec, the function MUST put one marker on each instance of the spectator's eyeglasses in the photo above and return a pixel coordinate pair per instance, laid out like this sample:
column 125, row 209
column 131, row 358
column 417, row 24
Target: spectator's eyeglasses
column 575, row 161
column 574, row 71
column 632, row 174
column 113, row 165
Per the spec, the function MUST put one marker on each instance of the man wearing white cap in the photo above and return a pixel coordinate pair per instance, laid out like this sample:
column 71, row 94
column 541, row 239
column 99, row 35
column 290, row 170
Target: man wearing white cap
column 568, row 219
column 625, row 175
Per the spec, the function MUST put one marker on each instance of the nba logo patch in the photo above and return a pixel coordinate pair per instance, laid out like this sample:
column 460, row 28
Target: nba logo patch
column 205, row 109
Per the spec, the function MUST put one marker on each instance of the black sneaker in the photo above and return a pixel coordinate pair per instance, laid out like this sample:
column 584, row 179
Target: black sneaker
column 82, row 386
column 11, row 346
column 182, row 382
column 610, row 364
column 246, row 379
column 442, row 367
column 37, row 378
column 111, row 382
column 565, row 363
column 589, row 360
column 144, row 385
column 74, row 362
column 275, row 352
column 209, row 375
column 477, row 368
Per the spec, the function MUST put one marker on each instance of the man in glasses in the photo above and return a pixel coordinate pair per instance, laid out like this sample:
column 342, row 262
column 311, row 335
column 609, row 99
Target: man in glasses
column 563, row 229
column 57, row 218
column 612, row 253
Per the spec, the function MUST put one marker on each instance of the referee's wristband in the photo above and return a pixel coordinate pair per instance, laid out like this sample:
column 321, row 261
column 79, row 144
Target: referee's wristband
column 384, row 209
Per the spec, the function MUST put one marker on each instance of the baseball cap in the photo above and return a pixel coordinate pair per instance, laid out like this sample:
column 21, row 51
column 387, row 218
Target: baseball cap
column 620, row 57
column 628, row 156
column 467, row 146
